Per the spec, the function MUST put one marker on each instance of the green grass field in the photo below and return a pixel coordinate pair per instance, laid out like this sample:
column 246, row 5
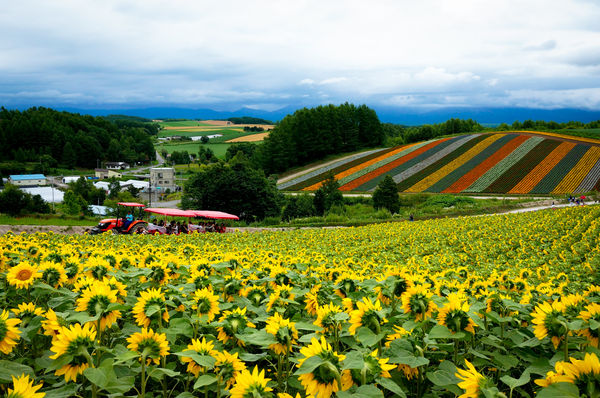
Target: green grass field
column 192, row 147
column 183, row 123
column 586, row 133
column 201, row 131
column 46, row 220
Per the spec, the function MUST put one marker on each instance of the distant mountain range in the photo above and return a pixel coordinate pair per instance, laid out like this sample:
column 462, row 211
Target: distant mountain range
column 406, row 116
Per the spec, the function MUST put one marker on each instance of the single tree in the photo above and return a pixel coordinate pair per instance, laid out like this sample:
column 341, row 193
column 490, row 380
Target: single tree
column 386, row 195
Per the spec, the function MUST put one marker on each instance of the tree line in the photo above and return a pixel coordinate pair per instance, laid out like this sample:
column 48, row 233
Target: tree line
column 312, row 134
column 72, row 140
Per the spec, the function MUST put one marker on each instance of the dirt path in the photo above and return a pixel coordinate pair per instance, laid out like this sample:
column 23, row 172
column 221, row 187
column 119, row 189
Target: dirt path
column 70, row 230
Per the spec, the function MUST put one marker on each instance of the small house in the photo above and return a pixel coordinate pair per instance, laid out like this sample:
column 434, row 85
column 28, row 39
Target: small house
column 117, row 165
column 27, row 180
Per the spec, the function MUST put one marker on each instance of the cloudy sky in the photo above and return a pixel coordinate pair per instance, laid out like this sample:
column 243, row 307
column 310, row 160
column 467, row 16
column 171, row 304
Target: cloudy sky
column 268, row 55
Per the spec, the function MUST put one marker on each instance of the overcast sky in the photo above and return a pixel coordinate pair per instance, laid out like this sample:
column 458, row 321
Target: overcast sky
column 273, row 54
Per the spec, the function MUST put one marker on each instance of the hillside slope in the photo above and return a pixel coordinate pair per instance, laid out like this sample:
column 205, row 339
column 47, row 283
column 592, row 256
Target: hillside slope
column 501, row 162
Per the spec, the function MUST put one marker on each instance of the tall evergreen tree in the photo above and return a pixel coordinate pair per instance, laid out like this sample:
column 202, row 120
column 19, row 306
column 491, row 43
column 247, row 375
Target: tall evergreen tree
column 386, row 195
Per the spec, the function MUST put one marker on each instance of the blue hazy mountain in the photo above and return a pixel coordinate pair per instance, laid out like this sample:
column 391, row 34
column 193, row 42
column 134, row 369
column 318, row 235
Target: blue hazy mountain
column 405, row 116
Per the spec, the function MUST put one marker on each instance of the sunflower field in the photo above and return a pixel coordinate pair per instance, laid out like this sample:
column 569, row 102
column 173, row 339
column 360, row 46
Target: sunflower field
column 496, row 306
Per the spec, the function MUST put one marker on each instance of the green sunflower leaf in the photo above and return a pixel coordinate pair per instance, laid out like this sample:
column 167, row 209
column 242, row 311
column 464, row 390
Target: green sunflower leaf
column 10, row 368
column 559, row 390
column 391, row 385
column 354, row 360
column 204, row 380
column 310, row 364
column 514, row 383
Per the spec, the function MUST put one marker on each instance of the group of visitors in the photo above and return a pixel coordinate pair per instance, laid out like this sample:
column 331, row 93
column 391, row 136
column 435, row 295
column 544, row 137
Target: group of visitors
column 177, row 227
column 573, row 201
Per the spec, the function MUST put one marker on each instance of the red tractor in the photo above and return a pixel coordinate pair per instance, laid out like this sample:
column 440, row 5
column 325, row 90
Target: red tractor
column 121, row 224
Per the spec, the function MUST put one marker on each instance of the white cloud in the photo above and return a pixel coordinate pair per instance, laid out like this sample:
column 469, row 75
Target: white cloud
column 265, row 51
column 587, row 98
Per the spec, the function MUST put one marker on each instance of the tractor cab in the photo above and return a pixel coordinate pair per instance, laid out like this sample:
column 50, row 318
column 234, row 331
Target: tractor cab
column 120, row 224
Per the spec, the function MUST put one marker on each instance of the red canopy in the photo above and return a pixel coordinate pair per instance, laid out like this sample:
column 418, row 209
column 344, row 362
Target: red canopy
column 131, row 204
column 214, row 214
column 171, row 212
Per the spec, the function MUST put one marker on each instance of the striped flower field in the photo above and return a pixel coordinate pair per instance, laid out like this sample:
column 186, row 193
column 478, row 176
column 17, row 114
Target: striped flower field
column 497, row 162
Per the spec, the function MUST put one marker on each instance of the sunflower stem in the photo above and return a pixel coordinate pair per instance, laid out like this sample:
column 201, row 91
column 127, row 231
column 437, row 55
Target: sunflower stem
column 143, row 393
column 455, row 351
column 90, row 360
column 567, row 346
column 219, row 386
column 279, row 372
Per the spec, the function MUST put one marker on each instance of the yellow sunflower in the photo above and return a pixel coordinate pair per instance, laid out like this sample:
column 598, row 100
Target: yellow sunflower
column 206, row 303
column 256, row 294
column 312, row 300
column 592, row 292
column 549, row 321
column 454, row 315
column 328, row 377
column 584, row 373
column 95, row 301
column 9, row 333
column 97, row 268
column 24, row 388
column 233, row 322
column 53, row 274
column 251, row 385
column 279, row 296
column 149, row 345
column 285, row 333
column 22, row 275
column 74, row 341
column 24, row 310
column 366, row 314
column 591, row 312
column 201, row 348
column 117, row 286
column 160, row 274
column 417, row 302
column 228, row 367
column 472, row 381
column 399, row 333
column 373, row 368
column 52, row 324
column 326, row 318
column 150, row 300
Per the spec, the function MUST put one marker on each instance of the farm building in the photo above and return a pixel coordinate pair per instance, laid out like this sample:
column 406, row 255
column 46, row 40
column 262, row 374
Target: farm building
column 163, row 178
column 105, row 173
column 70, row 179
column 28, row 180
column 48, row 194
column 116, row 165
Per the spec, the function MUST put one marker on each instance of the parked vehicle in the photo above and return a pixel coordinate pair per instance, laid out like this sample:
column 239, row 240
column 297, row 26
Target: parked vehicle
column 120, row 225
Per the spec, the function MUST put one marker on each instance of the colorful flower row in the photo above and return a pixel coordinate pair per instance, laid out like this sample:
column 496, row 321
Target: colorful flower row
column 324, row 169
column 574, row 178
column 543, row 168
column 520, row 169
column 471, row 164
column 372, row 178
column 452, row 165
column 503, row 165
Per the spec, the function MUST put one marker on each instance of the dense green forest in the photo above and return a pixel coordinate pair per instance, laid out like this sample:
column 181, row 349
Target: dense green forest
column 312, row 134
column 73, row 140
column 248, row 120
